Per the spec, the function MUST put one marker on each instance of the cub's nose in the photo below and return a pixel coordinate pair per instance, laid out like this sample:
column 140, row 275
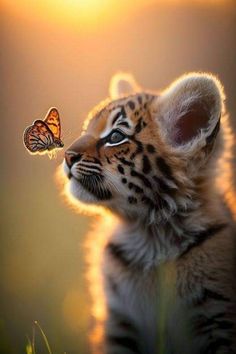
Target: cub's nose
column 75, row 151
column 71, row 157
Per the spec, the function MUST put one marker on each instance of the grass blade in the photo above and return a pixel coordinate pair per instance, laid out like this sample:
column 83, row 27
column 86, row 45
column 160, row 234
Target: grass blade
column 44, row 337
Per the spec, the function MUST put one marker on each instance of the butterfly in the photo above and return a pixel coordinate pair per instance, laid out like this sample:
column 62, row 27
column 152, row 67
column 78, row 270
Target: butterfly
column 44, row 136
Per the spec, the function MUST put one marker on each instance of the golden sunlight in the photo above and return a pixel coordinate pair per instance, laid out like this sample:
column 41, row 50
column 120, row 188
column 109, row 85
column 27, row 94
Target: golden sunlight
column 88, row 13
column 63, row 12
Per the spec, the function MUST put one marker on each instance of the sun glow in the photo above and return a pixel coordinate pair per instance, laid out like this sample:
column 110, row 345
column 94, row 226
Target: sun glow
column 95, row 244
column 73, row 13
column 224, row 181
column 84, row 14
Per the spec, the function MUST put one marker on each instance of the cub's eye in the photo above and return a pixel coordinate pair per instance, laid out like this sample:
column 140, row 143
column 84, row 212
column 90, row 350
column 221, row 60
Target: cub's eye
column 116, row 137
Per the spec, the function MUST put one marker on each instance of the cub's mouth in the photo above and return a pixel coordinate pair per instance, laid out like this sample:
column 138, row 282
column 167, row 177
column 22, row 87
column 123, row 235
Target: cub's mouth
column 94, row 185
column 82, row 182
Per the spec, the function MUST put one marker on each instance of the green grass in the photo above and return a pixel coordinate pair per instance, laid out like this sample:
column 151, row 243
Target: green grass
column 30, row 346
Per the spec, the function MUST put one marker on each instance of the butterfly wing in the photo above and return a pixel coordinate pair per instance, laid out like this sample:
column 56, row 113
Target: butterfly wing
column 38, row 137
column 52, row 120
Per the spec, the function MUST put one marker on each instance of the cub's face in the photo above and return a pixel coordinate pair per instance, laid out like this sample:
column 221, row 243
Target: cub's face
column 139, row 153
column 114, row 161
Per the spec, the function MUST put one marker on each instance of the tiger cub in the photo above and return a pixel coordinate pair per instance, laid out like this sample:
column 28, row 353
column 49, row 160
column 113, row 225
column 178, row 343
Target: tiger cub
column 162, row 258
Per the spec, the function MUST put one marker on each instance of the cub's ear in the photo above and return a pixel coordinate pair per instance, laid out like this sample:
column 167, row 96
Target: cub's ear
column 122, row 84
column 189, row 110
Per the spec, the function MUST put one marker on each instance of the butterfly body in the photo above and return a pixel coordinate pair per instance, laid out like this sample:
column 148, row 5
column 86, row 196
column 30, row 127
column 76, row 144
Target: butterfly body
column 44, row 136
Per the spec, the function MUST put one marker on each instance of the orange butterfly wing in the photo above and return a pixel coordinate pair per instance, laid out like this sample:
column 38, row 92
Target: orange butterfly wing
column 52, row 120
column 38, row 137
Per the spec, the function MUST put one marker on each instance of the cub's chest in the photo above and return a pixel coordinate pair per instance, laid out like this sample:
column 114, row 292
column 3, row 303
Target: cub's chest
column 151, row 302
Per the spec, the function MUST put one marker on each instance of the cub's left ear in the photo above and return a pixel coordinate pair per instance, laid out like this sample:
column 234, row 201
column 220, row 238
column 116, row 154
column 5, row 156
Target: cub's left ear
column 189, row 110
column 122, row 84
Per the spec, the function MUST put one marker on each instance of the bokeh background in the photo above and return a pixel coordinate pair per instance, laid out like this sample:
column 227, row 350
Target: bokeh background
column 63, row 53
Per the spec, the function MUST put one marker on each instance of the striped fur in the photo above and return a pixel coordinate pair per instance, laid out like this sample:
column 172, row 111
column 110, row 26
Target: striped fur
column 162, row 271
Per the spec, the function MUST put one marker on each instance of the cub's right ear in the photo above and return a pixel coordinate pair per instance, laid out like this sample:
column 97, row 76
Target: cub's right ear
column 190, row 110
column 122, row 84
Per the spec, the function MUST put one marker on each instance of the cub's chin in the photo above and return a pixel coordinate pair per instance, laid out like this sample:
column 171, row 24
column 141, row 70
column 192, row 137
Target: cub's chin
column 77, row 190
column 88, row 189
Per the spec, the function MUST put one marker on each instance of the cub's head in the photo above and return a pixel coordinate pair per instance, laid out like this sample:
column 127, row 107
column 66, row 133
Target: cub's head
column 142, row 153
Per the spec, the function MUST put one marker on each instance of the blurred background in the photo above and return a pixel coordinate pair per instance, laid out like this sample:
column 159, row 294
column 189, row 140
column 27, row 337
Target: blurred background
column 63, row 53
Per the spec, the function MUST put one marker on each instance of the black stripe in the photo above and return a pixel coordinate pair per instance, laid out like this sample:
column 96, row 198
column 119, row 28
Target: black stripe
column 219, row 332
column 131, row 105
column 225, row 325
column 123, row 322
column 122, row 110
column 202, row 321
column 75, row 158
column 100, row 143
column 108, row 160
column 140, row 100
column 91, row 172
column 91, row 182
column 208, row 294
column 219, row 343
column 125, row 342
column 124, row 123
column 148, row 202
column 136, row 188
column 202, row 236
column 117, row 116
column 150, row 148
column 158, row 202
column 139, row 126
column 124, row 180
column 162, row 186
column 92, row 167
column 127, row 326
column 119, row 254
column 141, row 177
column 121, row 169
column 164, row 167
column 132, row 200
column 139, row 149
column 94, row 159
column 112, row 284
column 124, row 161
column 146, row 164
column 214, row 295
